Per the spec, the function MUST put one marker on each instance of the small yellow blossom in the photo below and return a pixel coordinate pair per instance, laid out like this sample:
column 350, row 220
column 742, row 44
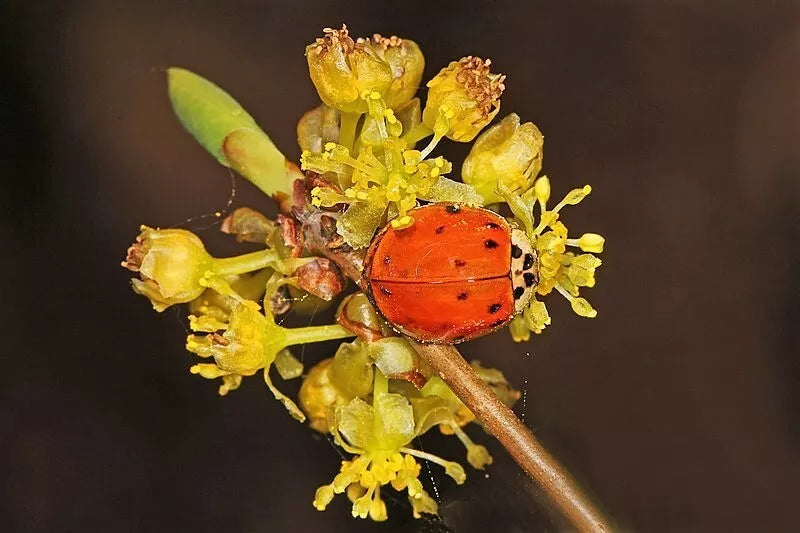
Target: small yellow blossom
column 378, row 435
column 174, row 266
column 377, row 188
column 171, row 264
column 211, row 303
column 333, row 382
column 406, row 62
column 463, row 98
column 249, row 342
column 559, row 269
column 342, row 69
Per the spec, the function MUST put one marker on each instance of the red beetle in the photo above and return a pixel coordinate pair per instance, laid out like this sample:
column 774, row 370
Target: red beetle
column 456, row 274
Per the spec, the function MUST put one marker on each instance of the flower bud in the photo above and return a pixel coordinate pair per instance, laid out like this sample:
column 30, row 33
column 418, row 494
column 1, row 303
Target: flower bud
column 590, row 242
column 318, row 127
column 507, row 152
column 318, row 397
column 341, row 69
column 542, row 190
column 171, row 264
column 357, row 314
column 406, row 62
column 463, row 98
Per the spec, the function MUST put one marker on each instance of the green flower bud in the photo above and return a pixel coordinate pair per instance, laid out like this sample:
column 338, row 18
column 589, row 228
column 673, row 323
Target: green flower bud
column 507, row 152
column 357, row 314
column 318, row 396
column 171, row 264
column 317, row 128
column 342, row 69
column 407, row 63
column 463, row 98
column 174, row 266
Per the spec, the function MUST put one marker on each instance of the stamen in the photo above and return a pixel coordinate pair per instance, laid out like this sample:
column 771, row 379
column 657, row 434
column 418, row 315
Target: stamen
column 431, row 145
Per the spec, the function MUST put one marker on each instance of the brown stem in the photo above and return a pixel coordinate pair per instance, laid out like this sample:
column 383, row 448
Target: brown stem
column 517, row 439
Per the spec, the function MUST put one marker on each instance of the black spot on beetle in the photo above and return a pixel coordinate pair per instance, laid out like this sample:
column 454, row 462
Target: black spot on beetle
column 452, row 209
column 439, row 230
column 528, row 264
column 489, row 243
column 518, row 292
column 492, row 225
column 387, row 260
column 460, row 263
column 516, row 251
column 496, row 323
column 529, row 278
column 386, row 291
column 462, row 296
column 494, row 308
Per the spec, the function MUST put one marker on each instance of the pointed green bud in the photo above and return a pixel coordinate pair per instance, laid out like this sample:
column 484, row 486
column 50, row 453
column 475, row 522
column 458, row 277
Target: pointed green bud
column 230, row 134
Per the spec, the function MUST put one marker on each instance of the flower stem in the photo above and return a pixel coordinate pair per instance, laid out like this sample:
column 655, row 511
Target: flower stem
column 381, row 384
column 416, row 133
column 316, row 334
column 347, row 129
column 515, row 436
column 241, row 264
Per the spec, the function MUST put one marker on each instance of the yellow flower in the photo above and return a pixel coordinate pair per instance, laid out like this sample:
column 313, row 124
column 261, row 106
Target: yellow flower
column 342, row 69
column 171, row 264
column 249, row 342
column 218, row 305
column 406, row 62
column 378, row 435
column 506, row 152
column 377, row 188
column 559, row 269
column 174, row 266
column 463, row 98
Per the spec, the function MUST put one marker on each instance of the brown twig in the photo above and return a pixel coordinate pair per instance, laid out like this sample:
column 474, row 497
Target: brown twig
column 320, row 235
column 501, row 422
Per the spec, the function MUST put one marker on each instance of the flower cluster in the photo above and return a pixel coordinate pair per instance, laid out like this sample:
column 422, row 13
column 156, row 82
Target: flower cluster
column 174, row 267
column 363, row 170
column 375, row 418
column 368, row 86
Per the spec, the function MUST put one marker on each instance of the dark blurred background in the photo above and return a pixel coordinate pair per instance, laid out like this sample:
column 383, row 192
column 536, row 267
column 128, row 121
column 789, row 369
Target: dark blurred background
column 677, row 407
